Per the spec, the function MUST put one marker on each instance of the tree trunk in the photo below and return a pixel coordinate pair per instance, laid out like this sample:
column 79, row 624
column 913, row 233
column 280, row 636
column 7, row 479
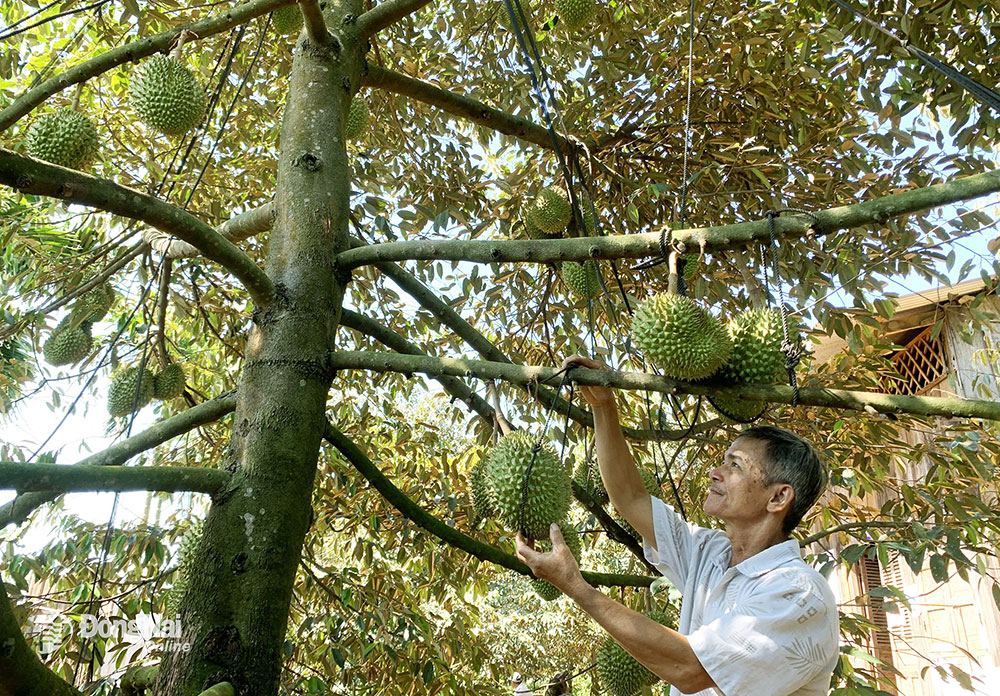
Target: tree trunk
column 235, row 613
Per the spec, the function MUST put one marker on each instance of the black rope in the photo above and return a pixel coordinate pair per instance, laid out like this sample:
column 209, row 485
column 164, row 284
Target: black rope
column 980, row 92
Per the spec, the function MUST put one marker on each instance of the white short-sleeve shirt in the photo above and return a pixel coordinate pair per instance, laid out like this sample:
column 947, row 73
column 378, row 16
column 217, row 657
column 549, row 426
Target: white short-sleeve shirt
column 767, row 625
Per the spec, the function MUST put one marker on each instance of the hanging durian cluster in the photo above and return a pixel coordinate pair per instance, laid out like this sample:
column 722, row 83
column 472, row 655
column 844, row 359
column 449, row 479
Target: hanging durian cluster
column 72, row 340
column 134, row 387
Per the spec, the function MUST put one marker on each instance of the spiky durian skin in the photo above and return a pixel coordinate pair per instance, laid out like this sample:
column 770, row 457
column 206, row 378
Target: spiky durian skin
column 95, row 304
column 357, row 118
column 167, row 96
column 547, row 590
column 129, row 387
column 287, row 19
column 680, row 337
column 550, row 211
column 756, row 359
column 482, row 495
column 185, row 562
column 588, row 477
column 65, row 137
column 583, row 279
column 169, row 382
column 573, row 14
column 535, row 233
column 548, row 493
column 620, row 673
column 68, row 344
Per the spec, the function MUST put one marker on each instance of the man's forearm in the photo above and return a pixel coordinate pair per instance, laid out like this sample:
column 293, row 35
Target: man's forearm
column 621, row 479
column 663, row 651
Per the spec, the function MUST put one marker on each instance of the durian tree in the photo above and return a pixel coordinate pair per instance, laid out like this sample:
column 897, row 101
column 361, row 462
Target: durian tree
column 311, row 214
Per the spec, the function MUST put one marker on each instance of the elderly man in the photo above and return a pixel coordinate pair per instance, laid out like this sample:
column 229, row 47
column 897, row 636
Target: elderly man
column 755, row 619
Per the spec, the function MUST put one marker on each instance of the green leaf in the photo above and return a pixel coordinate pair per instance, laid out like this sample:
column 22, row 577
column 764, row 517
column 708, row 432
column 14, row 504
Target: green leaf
column 939, row 568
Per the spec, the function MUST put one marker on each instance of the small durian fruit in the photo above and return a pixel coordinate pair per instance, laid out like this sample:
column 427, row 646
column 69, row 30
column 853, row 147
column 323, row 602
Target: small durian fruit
column 167, row 96
column 69, row 343
column 535, row 233
column 547, row 590
column 573, row 14
column 550, row 211
column 620, row 673
column 185, row 562
column 169, row 382
column 287, row 19
column 357, row 118
column 482, row 495
column 588, row 477
column 583, row 279
column 548, row 491
column 131, row 389
column 65, row 137
column 680, row 337
column 96, row 304
column 756, row 359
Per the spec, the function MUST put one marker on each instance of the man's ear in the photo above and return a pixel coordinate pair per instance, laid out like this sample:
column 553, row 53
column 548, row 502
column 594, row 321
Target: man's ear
column 781, row 499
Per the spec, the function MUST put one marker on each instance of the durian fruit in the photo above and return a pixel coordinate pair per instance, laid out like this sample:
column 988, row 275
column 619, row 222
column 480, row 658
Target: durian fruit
column 287, row 19
column 95, row 304
column 185, row 562
column 583, row 279
column 535, row 233
column 482, row 496
column 65, row 137
column 588, row 477
column 167, row 96
column 692, row 267
column 620, row 673
column 756, row 359
column 680, row 337
column 548, row 491
column 357, row 118
column 129, row 387
column 547, row 590
column 573, row 14
column 550, row 211
column 169, row 382
column 69, row 343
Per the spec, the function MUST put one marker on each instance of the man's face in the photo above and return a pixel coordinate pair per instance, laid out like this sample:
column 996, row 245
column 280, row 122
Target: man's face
column 737, row 492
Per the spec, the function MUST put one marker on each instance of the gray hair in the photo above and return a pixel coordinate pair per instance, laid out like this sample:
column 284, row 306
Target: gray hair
column 791, row 460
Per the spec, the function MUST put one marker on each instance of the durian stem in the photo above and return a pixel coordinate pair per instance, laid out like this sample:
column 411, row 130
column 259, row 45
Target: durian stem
column 501, row 420
column 178, row 48
column 76, row 97
column 162, row 297
column 672, row 276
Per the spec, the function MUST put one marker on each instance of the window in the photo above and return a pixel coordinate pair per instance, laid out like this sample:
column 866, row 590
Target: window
column 922, row 365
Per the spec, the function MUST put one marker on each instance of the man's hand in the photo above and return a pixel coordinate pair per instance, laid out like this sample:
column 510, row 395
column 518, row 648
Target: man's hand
column 595, row 396
column 557, row 567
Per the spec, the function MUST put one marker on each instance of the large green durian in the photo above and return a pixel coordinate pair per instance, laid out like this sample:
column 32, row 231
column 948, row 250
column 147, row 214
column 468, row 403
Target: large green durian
column 573, row 14
column 130, row 387
column 756, row 359
column 583, row 279
column 185, row 562
column 534, row 233
column 287, row 19
column 65, row 137
column 550, row 211
column 620, row 673
column 357, row 118
column 548, row 491
column 482, row 495
column 547, row 590
column 680, row 337
column 95, row 304
column 588, row 477
column 167, row 96
column 69, row 343
column 169, row 382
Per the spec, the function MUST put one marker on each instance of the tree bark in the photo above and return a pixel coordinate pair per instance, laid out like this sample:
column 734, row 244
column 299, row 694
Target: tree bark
column 235, row 612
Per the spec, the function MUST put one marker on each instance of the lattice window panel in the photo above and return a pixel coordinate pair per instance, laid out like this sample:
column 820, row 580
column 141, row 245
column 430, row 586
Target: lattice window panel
column 921, row 365
column 903, row 628
column 870, row 575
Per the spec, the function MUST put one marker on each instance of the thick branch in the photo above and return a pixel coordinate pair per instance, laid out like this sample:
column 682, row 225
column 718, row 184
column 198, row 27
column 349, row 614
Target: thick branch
column 387, row 13
column 633, row 246
column 456, row 387
column 66, row 479
column 612, row 528
column 132, row 52
column 18, row 509
column 464, row 107
column 413, row 512
column 40, row 178
column 235, row 229
column 315, row 24
column 21, row 672
column 526, row 375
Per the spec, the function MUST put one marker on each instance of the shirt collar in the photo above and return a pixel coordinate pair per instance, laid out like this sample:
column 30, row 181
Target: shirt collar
column 766, row 560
